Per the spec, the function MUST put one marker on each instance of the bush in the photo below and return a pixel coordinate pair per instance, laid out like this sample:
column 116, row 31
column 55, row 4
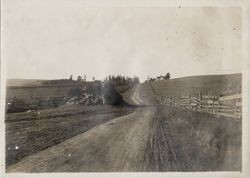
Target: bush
column 111, row 96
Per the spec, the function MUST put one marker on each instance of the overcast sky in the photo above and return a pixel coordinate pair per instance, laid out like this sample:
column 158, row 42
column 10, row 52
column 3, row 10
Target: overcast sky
column 53, row 40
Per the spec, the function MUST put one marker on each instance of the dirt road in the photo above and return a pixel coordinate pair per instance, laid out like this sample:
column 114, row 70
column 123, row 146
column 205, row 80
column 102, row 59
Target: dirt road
column 141, row 95
column 135, row 97
column 117, row 145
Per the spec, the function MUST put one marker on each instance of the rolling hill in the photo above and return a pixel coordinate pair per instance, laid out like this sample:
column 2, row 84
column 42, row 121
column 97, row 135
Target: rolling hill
column 210, row 84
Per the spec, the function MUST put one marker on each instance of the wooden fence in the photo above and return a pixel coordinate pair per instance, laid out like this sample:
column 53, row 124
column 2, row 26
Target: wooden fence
column 225, row 106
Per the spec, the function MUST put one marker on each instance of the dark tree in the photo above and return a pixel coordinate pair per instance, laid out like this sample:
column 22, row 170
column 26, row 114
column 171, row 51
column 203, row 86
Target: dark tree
column 167, row 76
column 71, row 77
column 79, row 78
column 111, row 96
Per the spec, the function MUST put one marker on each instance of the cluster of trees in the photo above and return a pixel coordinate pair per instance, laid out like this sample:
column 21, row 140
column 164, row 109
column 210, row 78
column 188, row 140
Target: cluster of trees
column 122, row 80
column 79, row 78
column 117, row 79
column 161, row 77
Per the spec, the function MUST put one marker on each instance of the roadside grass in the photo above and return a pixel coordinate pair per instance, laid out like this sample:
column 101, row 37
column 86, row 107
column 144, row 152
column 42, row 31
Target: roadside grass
column 202, row 141
column 28, row 133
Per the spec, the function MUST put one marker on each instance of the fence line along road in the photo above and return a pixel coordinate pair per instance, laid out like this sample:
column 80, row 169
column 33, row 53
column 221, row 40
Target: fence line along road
column 225, row 106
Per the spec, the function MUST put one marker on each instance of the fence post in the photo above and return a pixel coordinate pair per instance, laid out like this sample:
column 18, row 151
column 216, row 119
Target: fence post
column 201, row 99
column 213, row 104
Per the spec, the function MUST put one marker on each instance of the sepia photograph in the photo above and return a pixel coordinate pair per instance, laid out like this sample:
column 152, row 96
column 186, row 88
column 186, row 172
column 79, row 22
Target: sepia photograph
column 107, row 89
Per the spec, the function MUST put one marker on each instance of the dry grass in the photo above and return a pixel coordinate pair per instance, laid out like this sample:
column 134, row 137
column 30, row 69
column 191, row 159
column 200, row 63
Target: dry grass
column 216, row 84
column 33, row 132
column 203, row 142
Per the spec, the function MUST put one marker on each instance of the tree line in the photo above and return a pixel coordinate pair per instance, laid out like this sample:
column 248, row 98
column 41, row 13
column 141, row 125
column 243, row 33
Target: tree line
column 160, row 77
column 122, row 80
column 116, row 79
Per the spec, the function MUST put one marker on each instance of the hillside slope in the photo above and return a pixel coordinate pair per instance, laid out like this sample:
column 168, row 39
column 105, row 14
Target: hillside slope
column 216, row 84
column 22, row 82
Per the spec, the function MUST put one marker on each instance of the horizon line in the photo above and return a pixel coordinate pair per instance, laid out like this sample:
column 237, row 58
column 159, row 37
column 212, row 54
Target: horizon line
column 127, row 76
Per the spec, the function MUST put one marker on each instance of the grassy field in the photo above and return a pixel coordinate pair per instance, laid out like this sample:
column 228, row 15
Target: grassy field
column 23, row 82
column 202, row 142
column 26, row 93
column 26, row 89
column 28, row 133
column 217, row 84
